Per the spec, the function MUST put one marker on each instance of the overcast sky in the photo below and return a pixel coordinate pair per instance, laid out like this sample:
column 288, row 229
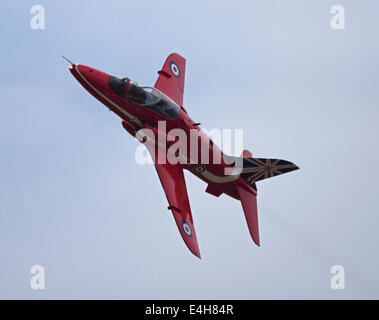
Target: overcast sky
column 74, row 200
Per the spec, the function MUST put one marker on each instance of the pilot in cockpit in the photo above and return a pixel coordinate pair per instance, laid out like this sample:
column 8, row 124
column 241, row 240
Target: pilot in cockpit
column 145, row 96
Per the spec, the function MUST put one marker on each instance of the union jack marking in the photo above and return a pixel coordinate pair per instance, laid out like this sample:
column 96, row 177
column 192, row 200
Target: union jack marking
column 255, row 169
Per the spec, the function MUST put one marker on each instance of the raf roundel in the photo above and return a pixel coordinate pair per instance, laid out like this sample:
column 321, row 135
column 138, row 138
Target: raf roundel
column 174, row 69
column 187, row 229
column 199, row 169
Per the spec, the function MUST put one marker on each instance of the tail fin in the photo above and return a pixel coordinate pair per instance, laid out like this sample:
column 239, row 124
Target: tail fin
column 246, row 154
column 255, row 169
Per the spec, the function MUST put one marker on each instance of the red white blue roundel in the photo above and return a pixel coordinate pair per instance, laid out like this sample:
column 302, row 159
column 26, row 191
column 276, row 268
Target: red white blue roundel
column 187, row 229
column 174, row 69
column 199, row 169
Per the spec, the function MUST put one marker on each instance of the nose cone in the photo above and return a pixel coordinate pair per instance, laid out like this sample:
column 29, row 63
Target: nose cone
column 91, row 76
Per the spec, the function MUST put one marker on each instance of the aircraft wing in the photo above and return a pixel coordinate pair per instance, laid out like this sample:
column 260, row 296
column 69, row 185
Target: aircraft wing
column 171, row 78
column 174, row 185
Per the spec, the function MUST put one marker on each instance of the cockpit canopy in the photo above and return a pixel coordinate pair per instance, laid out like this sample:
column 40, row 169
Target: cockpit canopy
column 148, row 97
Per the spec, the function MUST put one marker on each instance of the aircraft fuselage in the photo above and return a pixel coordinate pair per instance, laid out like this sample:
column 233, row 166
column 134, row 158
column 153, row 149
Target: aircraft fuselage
column 136, row 117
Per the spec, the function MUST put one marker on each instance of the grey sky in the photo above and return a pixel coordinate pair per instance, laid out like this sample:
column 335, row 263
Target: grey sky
column 73, row 199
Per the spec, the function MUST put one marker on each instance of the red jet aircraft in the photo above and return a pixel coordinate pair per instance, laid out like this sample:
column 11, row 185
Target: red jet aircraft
column 142, row 107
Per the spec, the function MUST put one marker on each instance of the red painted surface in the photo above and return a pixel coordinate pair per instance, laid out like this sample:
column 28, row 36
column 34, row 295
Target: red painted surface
column 135, row 117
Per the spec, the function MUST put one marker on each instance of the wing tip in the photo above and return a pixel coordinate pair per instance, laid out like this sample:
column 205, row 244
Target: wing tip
column 257, row 242
column 198, row 255
column 254, row 234
column 195, row 251
column 177, row 55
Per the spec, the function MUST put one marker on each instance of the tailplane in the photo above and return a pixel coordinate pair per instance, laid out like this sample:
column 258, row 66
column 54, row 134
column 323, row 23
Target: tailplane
column 250, row 209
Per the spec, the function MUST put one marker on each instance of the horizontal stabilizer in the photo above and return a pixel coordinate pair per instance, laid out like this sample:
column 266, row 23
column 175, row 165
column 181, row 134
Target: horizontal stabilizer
column 250, row 209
